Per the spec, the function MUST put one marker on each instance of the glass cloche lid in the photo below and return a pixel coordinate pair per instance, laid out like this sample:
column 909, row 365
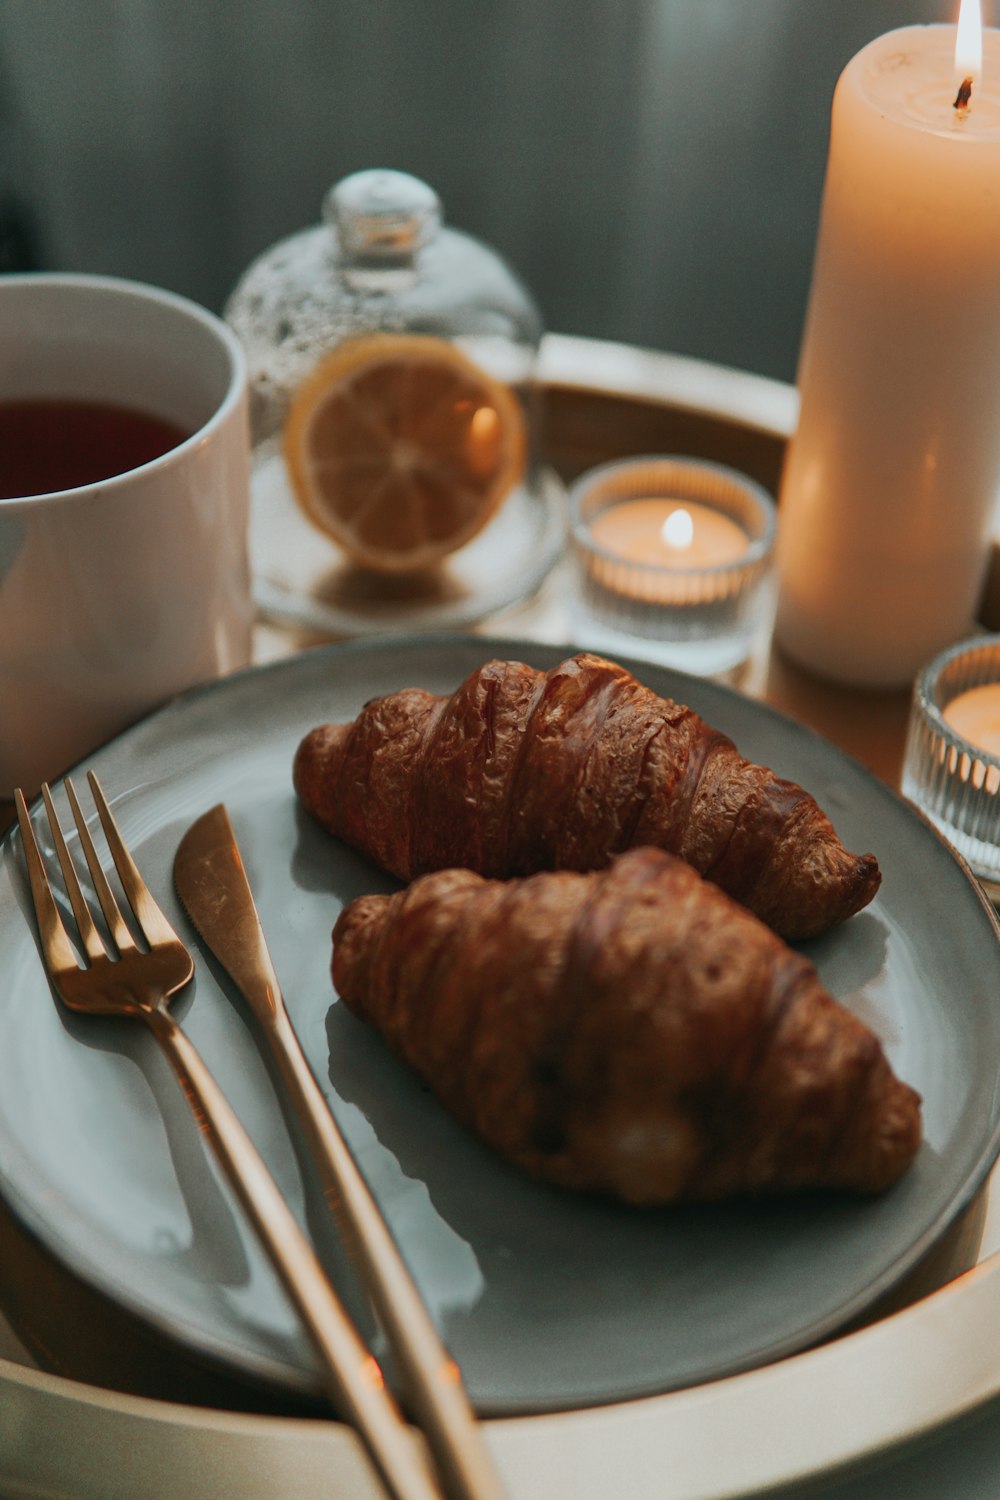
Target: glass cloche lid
column 393, row 411
column 381, row 260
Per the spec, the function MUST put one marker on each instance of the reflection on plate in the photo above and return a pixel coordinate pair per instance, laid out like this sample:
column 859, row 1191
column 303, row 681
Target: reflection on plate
column 549, row 1302
column 301, row 577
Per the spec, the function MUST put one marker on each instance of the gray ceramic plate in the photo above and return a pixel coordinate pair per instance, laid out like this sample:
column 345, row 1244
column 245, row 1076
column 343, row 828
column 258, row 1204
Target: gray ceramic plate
column 549, row 1302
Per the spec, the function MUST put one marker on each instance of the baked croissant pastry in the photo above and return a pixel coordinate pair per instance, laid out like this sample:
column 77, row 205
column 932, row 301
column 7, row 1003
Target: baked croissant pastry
column 632, row 1032
column 521, row 770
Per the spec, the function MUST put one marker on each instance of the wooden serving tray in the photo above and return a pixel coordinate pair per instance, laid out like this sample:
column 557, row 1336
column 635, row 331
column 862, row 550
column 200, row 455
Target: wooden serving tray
column 603, row 401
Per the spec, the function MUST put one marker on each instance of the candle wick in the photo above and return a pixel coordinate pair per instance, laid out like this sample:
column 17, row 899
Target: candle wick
column 964, row 94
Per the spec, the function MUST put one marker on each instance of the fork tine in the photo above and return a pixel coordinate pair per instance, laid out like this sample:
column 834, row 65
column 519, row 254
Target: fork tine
column 124, row 941
column 151, row 919
column 56, row 946
column 89, row 934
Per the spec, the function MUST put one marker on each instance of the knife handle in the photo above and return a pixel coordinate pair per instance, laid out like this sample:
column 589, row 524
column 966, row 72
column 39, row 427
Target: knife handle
column 354, row 1379
column 434, row 1382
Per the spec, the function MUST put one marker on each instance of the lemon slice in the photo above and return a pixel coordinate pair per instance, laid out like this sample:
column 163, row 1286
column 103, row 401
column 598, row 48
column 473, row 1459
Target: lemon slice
column 401, row 449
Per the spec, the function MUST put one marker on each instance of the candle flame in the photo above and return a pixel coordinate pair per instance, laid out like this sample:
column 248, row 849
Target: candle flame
column 969, row 41
column 678, row 529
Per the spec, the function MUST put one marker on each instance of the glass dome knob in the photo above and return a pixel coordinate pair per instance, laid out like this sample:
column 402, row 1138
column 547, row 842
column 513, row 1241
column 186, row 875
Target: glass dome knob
column 382, row 215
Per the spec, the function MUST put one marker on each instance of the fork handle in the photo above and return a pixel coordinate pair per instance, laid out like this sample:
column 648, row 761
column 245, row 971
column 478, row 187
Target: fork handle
column 354, row 1379
column 434, row 1384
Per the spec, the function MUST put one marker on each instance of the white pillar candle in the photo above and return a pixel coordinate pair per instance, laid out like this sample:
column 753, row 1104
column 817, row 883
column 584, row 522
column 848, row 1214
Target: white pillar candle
column 892, row 475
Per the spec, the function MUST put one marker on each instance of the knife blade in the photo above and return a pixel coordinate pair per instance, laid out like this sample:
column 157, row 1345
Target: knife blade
column 212, row 883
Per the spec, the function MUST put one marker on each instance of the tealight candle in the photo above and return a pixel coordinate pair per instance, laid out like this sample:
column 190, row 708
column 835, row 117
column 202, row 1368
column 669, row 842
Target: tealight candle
column 975, row 715
column 669, row 533
column 951, row 768
column 894, row 469
column 672, row 558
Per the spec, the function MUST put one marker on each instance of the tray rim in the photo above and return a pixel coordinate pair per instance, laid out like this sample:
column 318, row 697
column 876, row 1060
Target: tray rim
column 775, row 1421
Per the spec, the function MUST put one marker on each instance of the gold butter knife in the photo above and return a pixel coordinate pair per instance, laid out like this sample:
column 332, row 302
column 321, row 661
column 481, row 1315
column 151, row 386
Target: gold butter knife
column 212, row 884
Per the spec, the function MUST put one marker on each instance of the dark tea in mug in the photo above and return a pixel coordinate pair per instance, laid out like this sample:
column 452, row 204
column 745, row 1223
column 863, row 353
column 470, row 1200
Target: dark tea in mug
column 49, row 443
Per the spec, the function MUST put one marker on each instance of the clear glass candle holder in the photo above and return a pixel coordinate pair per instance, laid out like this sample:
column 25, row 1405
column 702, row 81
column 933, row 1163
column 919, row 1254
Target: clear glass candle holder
column 953, row 780
column 693, row 603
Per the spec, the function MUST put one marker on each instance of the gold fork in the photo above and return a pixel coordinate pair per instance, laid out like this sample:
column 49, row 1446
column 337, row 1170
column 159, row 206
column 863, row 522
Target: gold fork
column 125, row 979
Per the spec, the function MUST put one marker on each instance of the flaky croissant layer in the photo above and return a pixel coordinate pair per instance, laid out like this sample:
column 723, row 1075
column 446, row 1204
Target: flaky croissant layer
column 521, row 770
column 632, row 1032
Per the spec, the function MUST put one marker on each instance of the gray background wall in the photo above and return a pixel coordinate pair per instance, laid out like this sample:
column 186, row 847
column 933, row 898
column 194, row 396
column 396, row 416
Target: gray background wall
column 652, row 168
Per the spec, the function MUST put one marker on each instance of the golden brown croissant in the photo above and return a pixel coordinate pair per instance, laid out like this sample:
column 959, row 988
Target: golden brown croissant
column 632, row 1032
column 522, row 770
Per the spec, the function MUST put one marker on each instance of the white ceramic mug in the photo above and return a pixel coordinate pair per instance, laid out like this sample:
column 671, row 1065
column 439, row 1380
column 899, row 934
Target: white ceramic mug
column 118, row 594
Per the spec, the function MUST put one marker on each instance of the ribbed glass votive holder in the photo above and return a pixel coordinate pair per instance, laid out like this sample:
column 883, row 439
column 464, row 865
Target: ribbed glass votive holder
column 698, row 599
column 952, row 779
